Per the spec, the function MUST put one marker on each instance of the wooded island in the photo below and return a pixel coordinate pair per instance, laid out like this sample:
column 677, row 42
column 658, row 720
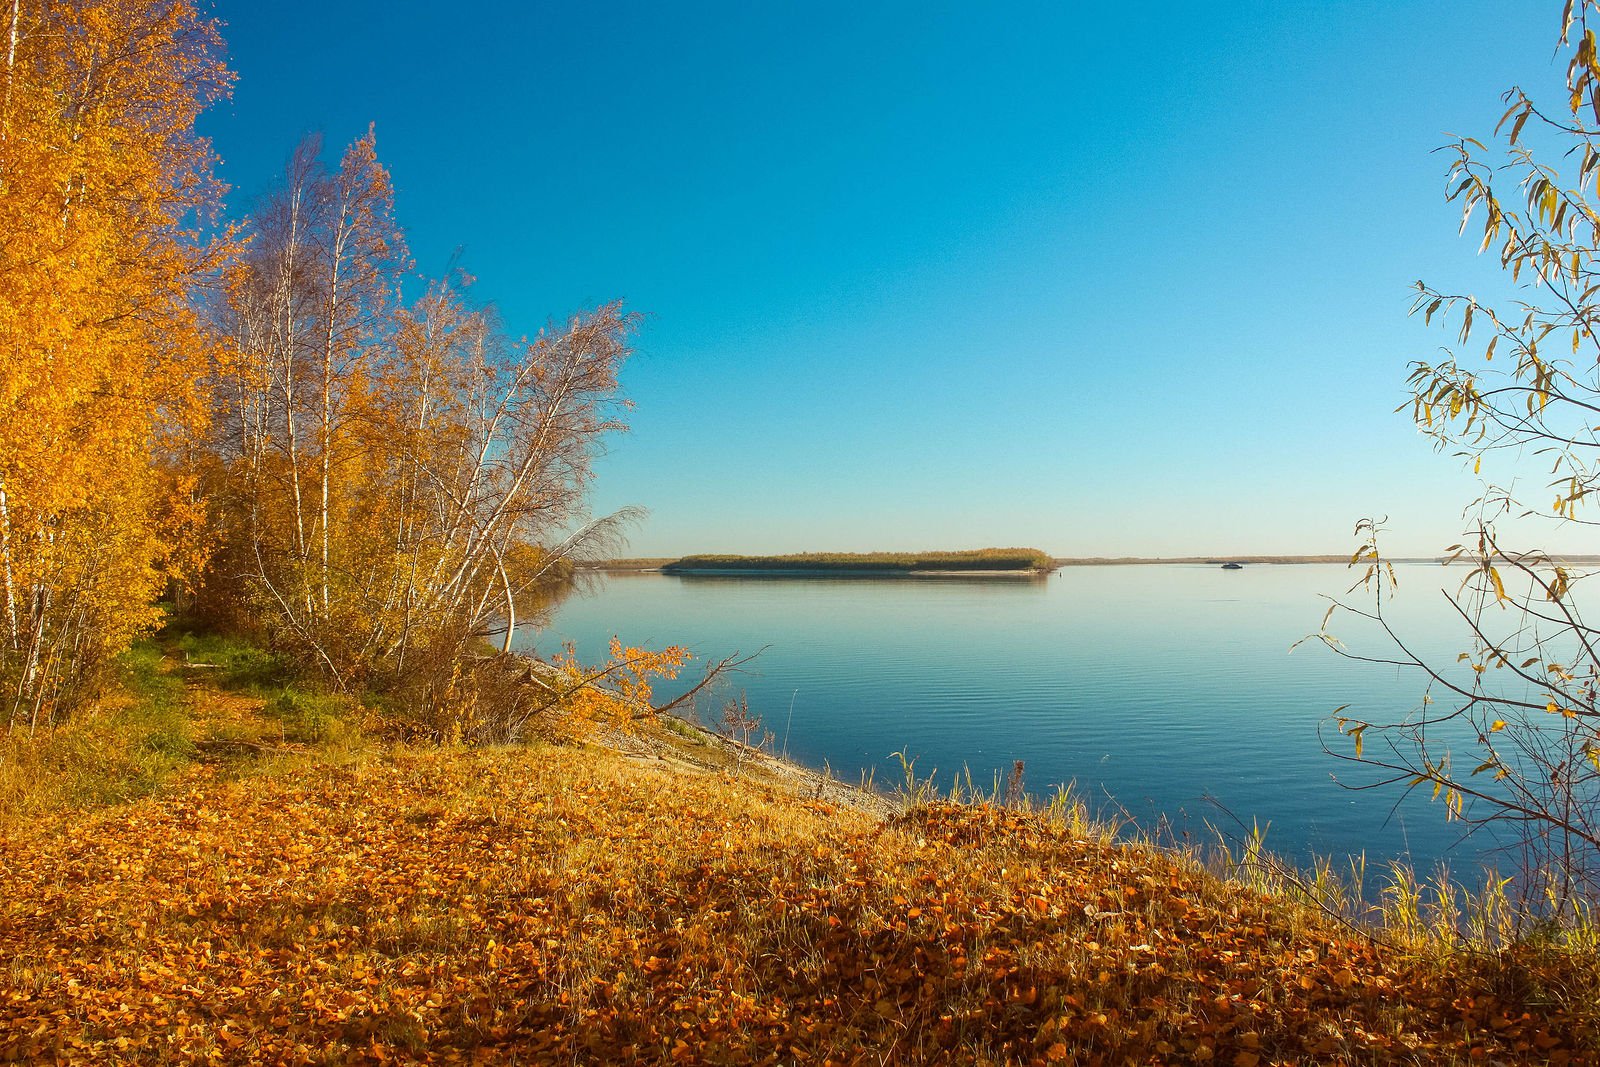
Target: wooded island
column 1025, row 560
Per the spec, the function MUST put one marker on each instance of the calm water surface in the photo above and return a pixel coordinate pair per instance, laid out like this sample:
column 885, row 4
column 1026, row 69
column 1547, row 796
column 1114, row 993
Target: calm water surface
column 1167, row 692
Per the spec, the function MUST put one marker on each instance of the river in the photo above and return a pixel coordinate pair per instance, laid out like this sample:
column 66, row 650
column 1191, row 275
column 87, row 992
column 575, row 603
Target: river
column 1164, row 693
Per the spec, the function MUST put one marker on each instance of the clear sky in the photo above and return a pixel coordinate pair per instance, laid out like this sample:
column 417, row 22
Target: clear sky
column 1103, row 279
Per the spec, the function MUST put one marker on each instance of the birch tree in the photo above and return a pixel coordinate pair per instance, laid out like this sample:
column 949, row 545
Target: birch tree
column 101, row 179
column 393, row 483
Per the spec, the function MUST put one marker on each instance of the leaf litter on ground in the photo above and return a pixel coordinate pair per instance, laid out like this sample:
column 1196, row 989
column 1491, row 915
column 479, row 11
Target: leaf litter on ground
column 565, row 903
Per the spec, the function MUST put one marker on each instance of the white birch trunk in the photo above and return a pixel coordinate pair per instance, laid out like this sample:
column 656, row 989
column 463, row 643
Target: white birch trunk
column 5, row 568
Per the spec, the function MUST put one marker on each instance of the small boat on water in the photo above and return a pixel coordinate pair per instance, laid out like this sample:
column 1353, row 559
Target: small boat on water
column 1232, row 566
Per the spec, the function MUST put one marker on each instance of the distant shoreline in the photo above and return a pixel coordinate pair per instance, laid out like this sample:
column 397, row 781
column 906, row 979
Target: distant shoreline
column 832, row 572
column 665, row 565
column 661, row 565
column 1119, row 561
column 1270, row 561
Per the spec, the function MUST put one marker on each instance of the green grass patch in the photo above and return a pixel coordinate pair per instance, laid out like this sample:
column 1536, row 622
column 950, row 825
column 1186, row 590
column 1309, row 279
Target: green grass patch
column 678, row 728
column 155, row 720
column 232, row 662
column 308, row 717
column 178, row 699
column 124, row 748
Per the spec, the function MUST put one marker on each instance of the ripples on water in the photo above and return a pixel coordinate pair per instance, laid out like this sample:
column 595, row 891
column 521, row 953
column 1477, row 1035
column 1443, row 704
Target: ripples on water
column 1167, row 692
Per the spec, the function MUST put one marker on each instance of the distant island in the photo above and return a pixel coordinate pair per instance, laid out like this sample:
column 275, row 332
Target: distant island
column 1010, row 561
column 1109, row 561
column 983, row 560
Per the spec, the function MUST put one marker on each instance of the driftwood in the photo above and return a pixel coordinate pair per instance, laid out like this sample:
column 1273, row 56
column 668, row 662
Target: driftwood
column 226, row 745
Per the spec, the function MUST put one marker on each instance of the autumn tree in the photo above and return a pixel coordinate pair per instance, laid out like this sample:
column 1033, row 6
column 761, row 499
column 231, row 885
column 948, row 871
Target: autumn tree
column 1509, row 734
column 392, row 483
column 305, row 316
column 102, row 184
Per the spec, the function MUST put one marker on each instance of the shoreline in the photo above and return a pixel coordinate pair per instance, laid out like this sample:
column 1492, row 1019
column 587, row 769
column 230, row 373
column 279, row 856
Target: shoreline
column 844, row 572
column 651, row 566
column 684, row 745
column 1217, row 561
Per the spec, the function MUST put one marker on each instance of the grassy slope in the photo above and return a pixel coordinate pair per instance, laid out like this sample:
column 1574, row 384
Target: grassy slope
column 281, row 903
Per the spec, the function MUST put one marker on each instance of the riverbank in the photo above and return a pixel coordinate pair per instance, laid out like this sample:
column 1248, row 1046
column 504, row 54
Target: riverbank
column 683, row 746
column 670, row 897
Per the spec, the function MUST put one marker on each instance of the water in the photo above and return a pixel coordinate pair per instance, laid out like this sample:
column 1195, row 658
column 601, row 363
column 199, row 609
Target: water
column 1167, row 693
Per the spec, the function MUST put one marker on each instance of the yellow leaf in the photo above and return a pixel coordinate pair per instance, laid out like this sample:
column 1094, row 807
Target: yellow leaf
column 1499, row 587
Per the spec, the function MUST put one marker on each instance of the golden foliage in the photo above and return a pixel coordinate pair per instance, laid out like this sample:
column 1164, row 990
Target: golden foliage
column 101, row 177
column 390, row 483
column 618, row 692
column 371, row 485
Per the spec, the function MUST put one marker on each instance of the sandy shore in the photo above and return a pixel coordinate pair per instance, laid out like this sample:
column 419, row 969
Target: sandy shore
column 679, row 745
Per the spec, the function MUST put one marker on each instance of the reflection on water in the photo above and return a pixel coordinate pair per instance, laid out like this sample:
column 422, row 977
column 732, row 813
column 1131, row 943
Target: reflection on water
column 1165, row 692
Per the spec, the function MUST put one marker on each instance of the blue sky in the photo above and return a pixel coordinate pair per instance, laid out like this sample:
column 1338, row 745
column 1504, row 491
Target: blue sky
column 934, row 275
